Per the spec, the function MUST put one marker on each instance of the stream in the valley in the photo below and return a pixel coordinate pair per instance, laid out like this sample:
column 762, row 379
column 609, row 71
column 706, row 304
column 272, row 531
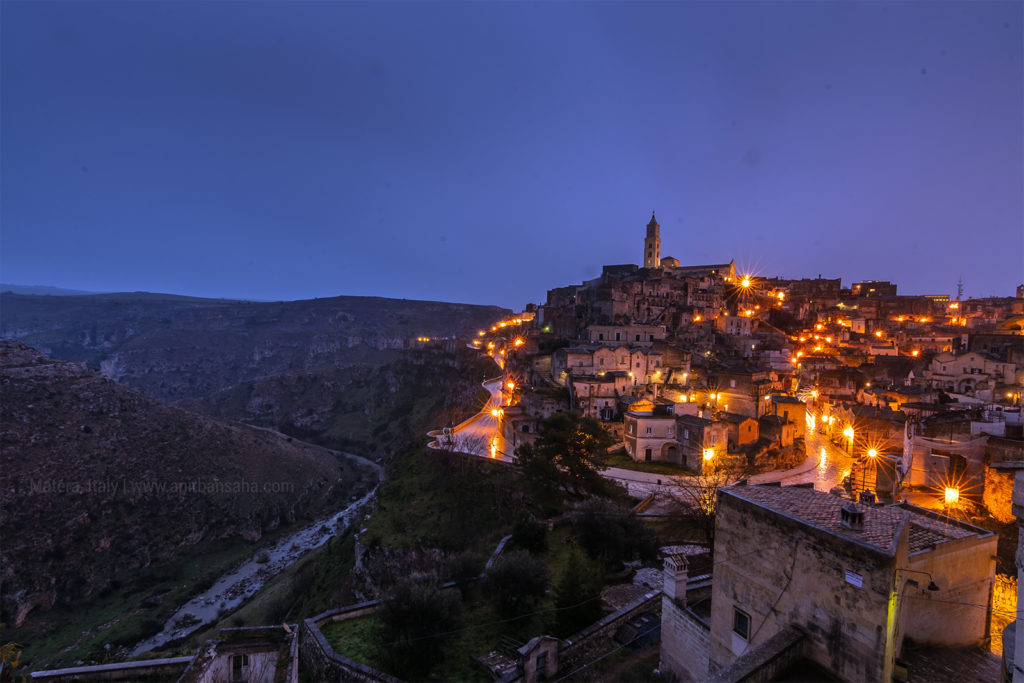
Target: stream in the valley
column 242, row 582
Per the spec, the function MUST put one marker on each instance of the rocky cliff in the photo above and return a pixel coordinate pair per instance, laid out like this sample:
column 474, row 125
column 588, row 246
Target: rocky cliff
column 100, row 481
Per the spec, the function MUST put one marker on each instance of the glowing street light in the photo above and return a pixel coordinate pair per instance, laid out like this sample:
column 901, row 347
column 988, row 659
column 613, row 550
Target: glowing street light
column 745, row 282
column 952, row 495
column 709, row 453
column 511, row 385
column 848, row 433
column 519, row 341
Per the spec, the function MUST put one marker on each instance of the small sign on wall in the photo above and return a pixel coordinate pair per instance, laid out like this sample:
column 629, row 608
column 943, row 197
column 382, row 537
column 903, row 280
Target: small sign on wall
column 854, row 579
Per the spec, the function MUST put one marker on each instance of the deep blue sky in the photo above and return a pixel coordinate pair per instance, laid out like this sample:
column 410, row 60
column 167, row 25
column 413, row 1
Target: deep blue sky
column 485, row 152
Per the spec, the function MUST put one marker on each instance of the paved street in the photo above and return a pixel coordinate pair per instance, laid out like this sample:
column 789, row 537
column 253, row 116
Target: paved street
column 480, row 435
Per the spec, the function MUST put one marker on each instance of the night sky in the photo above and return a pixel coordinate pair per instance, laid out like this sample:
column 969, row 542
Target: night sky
column 485, row 152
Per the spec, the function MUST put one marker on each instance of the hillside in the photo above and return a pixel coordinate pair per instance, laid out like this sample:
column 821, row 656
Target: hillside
column 367, row 409
column 175, row 347
column 102, row 484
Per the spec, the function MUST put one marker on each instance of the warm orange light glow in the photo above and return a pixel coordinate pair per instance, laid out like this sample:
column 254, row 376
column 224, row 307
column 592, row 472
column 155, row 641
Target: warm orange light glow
column 848, row 432
column 952, row 496
column 872, row 453
column 511, row 385
column 481, row 333
column 745, row 282
column 519, row 342
column 494, row 412
column 818, row 326
column 955, row 304
column 696, row 318
column 915, row 353
column 828, row 339
column 490, row 345
column 709, row 453
column 782, row 295
column 878, row 333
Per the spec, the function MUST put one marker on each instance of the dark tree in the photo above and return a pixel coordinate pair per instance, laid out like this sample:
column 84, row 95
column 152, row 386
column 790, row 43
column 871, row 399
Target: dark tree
column 612, row 534
column 578, row 595
column 414, row 616
column 516, row 582
column 530, row 534
column 567, row 456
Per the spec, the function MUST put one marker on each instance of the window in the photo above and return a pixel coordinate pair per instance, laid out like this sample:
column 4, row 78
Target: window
column 648, row 430
column 741, row 624
column 732, row 384
column 647, row 455
column 617, row 336
column 637, row 338
column 239, row 668
column 600, row 336
column 652, row 338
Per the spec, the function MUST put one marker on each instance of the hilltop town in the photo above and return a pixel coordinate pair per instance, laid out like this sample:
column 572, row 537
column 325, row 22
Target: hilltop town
column 678, row 472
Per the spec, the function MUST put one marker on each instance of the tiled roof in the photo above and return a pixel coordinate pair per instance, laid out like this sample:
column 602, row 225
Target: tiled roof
column 733, row 417
column 693, row 421
column 882, row 524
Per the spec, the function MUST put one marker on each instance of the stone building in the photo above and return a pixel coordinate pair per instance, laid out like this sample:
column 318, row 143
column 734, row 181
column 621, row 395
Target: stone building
column 742, row 430
column 650, row 433
column 791, row 409
column 805, row 575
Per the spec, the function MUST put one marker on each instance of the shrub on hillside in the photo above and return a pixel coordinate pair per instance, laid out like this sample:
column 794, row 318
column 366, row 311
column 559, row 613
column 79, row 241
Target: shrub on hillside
column 516, row 582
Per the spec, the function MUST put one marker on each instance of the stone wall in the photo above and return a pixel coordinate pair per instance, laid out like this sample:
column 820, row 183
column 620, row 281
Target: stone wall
column 685, row 640
column 320, row 660
column 593, row 640
column 998, row 494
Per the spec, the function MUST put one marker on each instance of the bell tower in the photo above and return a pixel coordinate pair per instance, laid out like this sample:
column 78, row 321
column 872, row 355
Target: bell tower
column 652, row 244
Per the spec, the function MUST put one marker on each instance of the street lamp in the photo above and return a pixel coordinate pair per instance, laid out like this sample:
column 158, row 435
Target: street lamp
column 709, row 453
column 952, row 496
column 872, row 454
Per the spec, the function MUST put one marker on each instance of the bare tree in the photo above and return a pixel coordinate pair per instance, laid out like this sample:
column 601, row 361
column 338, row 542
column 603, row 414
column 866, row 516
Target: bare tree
column 695, row 497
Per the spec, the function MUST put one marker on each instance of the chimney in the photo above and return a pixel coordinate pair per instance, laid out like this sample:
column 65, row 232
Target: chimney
column 677, row 571
column 851, row 517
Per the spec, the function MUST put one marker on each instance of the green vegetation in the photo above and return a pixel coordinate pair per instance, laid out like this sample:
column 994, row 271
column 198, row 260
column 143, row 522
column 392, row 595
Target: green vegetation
column 516, row 582
column 566, row 458
column 416, row 618
column 621, row 460
column 577, row 595
column 447, row 501
column 127, row 613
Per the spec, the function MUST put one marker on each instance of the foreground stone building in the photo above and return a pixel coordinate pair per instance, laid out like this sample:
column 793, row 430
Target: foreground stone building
column 805, row 578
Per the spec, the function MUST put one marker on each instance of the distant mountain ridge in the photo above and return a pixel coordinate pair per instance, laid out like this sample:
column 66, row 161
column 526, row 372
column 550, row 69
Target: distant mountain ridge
column 175, row 348
column 42, row 290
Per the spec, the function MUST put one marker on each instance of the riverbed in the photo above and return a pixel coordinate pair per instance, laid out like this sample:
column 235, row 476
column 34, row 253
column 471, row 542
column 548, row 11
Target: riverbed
column 242, row 582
